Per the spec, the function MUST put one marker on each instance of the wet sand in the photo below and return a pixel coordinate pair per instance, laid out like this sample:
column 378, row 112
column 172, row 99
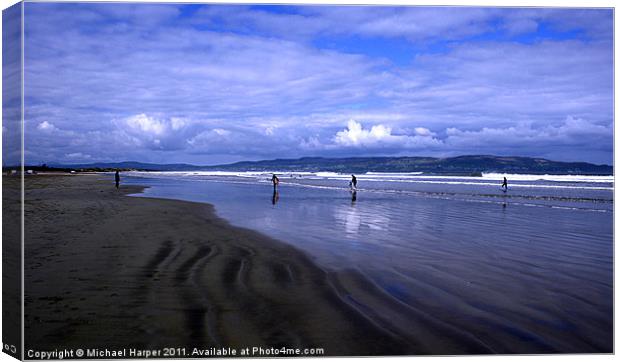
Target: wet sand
column 11, row 266
column 106, row 270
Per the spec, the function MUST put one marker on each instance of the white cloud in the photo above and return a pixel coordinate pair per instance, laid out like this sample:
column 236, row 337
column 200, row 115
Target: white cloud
column 425, row 132
column 78, row 156
column 355, row 135
column 528, row 139
column 142, row 123
column 381, row 136
column 311, row 143
column 154, row 132
column 177, row 123
column 46, row 127
column 210, row 139
column 221, row 132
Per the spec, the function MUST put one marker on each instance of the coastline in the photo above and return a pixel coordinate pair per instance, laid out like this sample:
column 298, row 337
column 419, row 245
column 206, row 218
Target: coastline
column 106, row 270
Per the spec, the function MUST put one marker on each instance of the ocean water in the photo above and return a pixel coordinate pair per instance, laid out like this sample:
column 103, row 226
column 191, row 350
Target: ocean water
column 529, row 270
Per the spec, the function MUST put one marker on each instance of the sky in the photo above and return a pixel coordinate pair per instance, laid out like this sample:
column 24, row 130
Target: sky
column 212, row 84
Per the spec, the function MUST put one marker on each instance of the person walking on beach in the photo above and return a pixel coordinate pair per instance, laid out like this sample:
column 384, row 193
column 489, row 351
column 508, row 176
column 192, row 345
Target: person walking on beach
column 117, row 178
column 505, row 185
column 353, row 183
column 275, row 181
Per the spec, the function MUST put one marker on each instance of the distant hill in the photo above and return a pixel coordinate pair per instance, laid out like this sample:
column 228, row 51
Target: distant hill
column 130, row 165
column 452, row 165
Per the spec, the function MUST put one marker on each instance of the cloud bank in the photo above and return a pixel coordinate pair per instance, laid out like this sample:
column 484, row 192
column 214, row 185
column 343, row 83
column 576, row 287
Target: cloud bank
column 207, row 84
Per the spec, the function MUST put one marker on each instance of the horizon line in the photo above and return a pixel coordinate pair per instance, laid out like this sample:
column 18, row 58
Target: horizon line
column 300, row 158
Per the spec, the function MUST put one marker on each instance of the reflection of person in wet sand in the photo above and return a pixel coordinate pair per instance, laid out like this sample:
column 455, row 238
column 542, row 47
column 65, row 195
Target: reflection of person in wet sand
column 117, row 178
column 275, row 197
column 275, row 181
column 353, row 196
column 505, row 185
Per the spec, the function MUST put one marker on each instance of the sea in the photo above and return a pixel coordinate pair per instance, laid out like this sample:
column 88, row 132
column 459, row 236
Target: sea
column 523, row 270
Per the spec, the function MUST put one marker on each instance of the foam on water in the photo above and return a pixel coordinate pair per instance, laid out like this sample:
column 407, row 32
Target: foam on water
column 515, row 180
column 557, row 178
column 587, row 193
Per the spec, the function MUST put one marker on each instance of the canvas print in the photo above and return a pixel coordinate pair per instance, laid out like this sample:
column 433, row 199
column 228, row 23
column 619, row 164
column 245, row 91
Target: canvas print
column 237, row 180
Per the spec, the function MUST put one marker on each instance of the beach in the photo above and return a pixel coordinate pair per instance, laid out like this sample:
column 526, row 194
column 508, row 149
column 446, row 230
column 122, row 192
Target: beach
column 312, row 268
column 106, row 270
column 456, row 265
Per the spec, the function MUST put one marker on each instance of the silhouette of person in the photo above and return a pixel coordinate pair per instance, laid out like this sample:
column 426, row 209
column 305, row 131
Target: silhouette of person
column 505, row 184
column 275, row 197
column 275, row 181
column 117, row 178
column 353, row 182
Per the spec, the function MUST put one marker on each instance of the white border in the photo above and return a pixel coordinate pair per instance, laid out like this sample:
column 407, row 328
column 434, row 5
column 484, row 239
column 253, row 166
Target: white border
column 490, row 3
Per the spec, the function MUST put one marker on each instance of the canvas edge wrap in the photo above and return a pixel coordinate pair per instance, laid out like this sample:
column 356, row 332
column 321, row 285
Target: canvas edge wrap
column 13, row 166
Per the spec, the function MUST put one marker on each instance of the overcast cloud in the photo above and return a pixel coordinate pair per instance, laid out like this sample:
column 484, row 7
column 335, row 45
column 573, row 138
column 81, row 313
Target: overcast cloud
column 213, row 84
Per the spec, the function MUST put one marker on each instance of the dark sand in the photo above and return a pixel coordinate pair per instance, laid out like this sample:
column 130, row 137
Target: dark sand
column 106, row 270
column 11, row 266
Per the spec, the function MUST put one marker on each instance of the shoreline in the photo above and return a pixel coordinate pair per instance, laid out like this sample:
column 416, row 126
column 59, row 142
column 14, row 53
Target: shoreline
column 123, row 271
column 106, row 270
